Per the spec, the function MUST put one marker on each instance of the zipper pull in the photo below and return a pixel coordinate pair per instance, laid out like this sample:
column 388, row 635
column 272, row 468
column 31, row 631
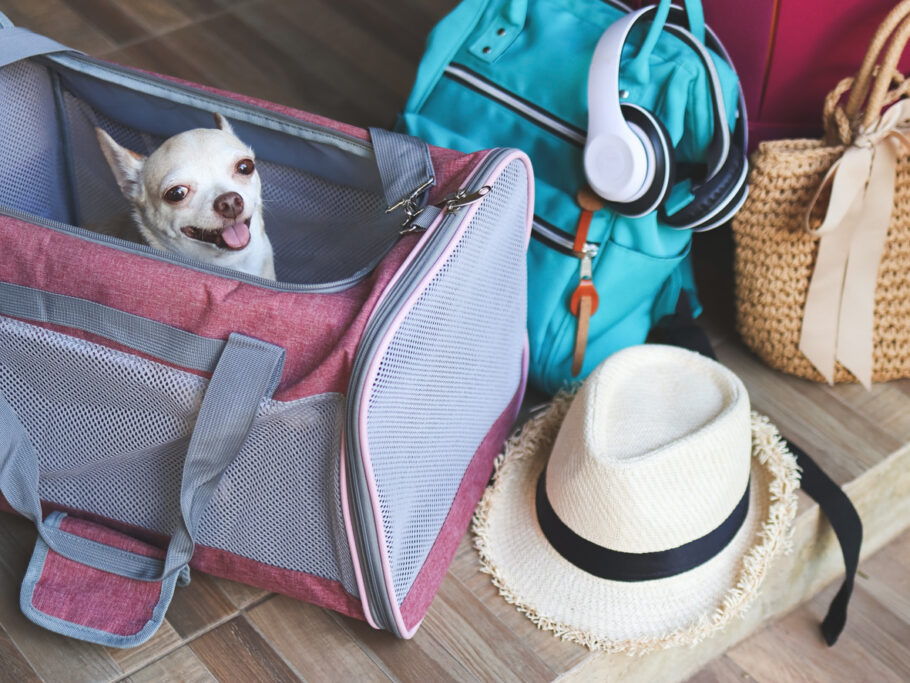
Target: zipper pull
column 451, row 204
column 411, row 207
column 585, row 300
column 454, row 202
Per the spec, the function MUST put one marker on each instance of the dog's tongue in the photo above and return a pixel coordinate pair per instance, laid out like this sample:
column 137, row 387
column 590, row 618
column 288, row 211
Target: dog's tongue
column 236, row 236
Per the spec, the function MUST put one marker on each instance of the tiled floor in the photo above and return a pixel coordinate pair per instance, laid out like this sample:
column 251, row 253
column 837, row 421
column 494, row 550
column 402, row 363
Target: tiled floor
column 354, row 60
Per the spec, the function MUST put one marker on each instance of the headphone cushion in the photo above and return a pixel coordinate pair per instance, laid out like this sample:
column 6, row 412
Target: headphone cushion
column 655, row 136
column 713, row 192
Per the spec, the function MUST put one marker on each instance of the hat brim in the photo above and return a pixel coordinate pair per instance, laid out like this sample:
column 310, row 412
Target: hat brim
column 620, row 616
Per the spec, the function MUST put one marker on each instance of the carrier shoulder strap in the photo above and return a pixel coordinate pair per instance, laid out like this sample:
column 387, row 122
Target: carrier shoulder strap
column 681, row 329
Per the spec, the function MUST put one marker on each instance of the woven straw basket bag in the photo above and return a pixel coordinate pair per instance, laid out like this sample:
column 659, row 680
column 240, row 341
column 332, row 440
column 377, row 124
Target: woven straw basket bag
column 822, row 258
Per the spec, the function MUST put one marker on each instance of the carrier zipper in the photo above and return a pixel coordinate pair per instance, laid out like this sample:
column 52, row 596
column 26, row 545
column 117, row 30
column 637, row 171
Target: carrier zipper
column 451, row 204
column 164, row 89
column 361, row 510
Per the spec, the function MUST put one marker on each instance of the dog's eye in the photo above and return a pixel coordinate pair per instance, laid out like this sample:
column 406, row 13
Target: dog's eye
column 245, row 167
column 177, row 193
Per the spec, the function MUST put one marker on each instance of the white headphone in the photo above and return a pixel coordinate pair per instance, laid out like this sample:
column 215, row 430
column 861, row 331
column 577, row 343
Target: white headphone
column 629, row 156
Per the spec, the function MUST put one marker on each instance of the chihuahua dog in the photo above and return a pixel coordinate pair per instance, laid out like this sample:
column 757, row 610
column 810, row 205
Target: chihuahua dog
column 199, row 195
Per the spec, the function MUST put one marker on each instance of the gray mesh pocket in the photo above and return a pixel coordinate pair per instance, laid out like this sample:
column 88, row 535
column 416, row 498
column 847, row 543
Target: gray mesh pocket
column 449, row 373
column 111, row 431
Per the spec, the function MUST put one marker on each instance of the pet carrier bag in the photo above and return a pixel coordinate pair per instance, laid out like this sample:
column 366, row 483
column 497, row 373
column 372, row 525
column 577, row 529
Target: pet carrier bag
column 325, row 435
column 516, row 73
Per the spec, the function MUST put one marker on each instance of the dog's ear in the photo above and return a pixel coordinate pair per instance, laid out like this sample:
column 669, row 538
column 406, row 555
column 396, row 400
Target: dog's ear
column 221, row 123
column 125, row 164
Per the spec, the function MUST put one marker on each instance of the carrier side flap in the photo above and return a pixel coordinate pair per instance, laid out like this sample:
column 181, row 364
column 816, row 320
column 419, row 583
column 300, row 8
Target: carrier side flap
column 90, row 604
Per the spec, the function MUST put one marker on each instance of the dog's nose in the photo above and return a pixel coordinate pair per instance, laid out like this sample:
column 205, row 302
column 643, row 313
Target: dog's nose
column 229, row 205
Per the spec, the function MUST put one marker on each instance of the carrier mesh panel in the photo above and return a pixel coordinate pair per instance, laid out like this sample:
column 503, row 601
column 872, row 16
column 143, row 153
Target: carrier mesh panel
column 31, row 167
column 111, row 432
column 449, row 373
column 320, row 231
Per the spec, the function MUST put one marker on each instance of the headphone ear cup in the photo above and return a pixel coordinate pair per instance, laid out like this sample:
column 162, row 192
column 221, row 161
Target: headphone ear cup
column 656, row 139
column 713, row 196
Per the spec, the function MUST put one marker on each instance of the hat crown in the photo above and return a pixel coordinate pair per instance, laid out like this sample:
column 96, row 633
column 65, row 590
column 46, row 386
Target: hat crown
column 654, row 452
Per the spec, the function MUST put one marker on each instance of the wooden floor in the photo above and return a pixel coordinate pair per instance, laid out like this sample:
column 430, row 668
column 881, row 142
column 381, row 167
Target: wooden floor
column 354, row 60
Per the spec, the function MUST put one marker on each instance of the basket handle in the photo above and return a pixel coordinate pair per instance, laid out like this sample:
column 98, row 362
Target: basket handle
column 878, row 97
column 872, row 82
column 863, row 78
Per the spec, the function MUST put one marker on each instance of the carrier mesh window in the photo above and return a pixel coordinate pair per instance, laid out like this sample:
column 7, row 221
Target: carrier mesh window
column 448, row 374
column 111, row 432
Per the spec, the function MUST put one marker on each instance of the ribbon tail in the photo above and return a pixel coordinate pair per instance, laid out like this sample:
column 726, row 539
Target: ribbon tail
column 818, row 336
column 856, row 327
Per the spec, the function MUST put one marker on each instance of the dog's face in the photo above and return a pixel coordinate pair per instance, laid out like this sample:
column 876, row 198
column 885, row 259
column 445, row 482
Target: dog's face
column 199, row 193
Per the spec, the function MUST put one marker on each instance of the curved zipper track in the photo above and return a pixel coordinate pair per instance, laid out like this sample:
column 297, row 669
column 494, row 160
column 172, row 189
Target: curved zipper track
column 361, row 509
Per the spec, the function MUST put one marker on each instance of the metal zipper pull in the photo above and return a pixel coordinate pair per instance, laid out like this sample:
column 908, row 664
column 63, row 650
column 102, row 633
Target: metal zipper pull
column 454, row 202
column 411, row 208
column 451, row 204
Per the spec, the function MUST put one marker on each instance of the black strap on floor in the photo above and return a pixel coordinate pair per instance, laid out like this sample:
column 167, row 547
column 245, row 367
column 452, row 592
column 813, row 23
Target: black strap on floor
column 848, row 528
column 680, row 329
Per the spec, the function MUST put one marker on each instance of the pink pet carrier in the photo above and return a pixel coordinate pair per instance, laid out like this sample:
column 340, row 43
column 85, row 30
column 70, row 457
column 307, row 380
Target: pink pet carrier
column 325, row 435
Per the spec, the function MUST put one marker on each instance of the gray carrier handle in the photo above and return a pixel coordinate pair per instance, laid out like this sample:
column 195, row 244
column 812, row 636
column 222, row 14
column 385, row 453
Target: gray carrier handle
column 245, row 371
column 405, row 166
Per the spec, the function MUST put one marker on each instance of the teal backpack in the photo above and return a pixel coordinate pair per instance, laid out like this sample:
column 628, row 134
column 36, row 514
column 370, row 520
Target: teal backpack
column 514, row 73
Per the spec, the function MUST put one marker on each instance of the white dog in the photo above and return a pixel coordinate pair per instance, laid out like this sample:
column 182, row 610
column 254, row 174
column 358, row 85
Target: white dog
column 199, row 195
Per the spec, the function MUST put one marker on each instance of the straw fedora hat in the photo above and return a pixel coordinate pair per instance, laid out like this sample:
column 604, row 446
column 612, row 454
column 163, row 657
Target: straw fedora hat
column 644, row 513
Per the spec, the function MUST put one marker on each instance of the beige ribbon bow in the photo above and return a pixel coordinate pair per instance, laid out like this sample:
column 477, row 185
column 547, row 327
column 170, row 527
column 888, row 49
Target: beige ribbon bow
column 838, row 320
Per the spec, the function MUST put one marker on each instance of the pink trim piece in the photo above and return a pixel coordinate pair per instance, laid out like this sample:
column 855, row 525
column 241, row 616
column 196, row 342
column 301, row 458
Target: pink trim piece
column 475, row 479
column 352, row 544
column 373, row 370
column 83, row 595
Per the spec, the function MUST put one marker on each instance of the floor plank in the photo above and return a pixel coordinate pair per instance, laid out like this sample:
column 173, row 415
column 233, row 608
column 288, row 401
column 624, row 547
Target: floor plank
column 721, row 670
column 313, row 642
column 240, row 595
column 236, row 652
column 197, row 606
column 14, row 667
column 180, row 666
column 478, row 640
column 165, row 640
column 53, row 657
column 110, row 17
column 423, row 658
column 875, row 644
